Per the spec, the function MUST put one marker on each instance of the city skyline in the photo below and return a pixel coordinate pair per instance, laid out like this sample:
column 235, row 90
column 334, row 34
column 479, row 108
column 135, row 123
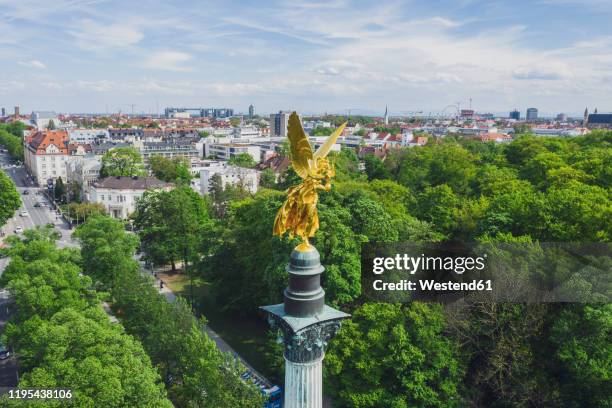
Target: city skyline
column 83, row 56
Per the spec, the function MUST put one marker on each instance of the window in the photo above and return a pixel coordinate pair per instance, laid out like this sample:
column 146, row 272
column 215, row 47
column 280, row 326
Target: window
column 102, row 197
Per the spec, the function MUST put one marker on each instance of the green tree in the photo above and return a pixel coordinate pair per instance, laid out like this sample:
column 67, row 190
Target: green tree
column 192, row 368
column 267, row 179
column 322, row 131
column 346, row 164
column 504, row 368
column 106, row 248
column 9, row 198
column 59, row 191
column 578, row 211
column 51, row 125
column 79, row 212
column 375, row 168
column 389, row 355
column 175, row 169
column 12, row 143
column 222, row 195
column 581, row 335
column 82, row 351
column 170, row 225
column 62, row 336
column 122, row 161
column 242, row 160
column 438, row 206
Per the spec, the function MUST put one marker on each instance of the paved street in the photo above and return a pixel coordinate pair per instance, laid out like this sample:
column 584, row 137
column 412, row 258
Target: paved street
column 36, row 216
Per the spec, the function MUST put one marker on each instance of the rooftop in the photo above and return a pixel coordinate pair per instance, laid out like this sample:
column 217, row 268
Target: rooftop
column 40, row 140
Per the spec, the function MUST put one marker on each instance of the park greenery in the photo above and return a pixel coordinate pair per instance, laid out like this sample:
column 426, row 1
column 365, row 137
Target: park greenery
column 531, row 190
column 194, row 371
column 63, row 337
column 9, row 198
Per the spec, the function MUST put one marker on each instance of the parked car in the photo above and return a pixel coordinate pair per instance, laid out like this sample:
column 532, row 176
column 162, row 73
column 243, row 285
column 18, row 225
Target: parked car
column 23, row 214
column 18, row 230
column 4, row 352
column 26, row 192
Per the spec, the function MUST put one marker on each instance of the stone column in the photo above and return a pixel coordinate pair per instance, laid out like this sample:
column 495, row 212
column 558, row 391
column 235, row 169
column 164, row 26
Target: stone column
column 305, row 325
column 304, row 384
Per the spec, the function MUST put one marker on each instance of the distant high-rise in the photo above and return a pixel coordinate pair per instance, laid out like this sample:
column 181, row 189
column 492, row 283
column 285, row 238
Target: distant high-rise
column 515, row 114
column 251, row 111
column 3, row 112
column 532, row 114
column 279, row 122
column 16, row 111
column 562, row 117
column 216, row 113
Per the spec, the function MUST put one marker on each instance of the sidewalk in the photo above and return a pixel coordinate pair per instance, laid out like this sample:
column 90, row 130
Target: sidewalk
column 221, row 344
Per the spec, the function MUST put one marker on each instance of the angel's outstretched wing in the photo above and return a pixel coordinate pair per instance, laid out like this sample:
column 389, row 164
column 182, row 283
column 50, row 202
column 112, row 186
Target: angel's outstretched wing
column 326, row 147
column 301, row 152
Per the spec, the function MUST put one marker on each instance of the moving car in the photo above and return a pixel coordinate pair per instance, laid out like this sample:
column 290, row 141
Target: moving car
column 26, row 192
column 37, row 205
column 23, row 214
column 18, row 230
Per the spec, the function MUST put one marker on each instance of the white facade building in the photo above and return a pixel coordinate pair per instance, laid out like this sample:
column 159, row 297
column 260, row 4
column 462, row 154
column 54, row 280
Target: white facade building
column 46, row 154
column 232, row 175
column 246, row 132
column 118, row 195
column 41, row 119
column 227, row 151
column 87, row 135
column 84, row 171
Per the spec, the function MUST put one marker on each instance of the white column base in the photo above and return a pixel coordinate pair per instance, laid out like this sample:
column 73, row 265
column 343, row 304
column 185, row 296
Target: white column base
column 304, row 384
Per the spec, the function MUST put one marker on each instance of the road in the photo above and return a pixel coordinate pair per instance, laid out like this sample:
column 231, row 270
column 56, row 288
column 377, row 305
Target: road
column 36, row 216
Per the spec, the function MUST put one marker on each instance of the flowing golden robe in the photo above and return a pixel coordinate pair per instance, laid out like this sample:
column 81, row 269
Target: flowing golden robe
column 298, row 215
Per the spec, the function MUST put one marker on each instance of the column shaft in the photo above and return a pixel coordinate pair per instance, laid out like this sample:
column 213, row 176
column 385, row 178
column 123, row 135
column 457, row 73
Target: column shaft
column 304, row 384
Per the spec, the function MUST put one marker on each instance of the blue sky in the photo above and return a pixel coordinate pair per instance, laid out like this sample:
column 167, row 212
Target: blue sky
column 313, row 56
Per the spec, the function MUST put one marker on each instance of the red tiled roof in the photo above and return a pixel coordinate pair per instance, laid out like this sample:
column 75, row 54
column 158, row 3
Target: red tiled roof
column 39, row 141
column 277, row 163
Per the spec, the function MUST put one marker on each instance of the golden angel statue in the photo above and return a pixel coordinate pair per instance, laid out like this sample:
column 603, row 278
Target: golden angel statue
column 298, row 215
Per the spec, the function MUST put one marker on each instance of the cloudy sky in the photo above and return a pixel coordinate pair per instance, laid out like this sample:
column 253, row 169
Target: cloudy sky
column 313, row 56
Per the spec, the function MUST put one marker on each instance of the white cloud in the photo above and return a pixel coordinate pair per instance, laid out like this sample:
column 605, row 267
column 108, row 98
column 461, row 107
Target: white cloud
column 92, row 36
column 33, row 64
column 168, row 61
